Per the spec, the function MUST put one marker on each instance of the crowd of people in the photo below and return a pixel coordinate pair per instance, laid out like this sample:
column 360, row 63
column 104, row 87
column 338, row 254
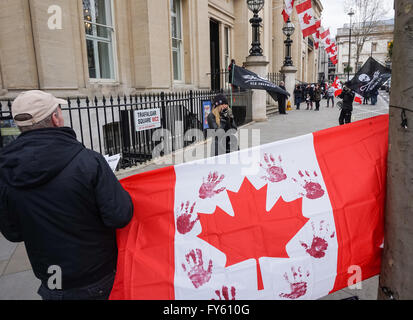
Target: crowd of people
column 312, row 94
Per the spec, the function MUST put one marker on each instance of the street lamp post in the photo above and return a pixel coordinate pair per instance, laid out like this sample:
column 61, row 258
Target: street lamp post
column 255, row 6
column 351, row 13
column 288, row 30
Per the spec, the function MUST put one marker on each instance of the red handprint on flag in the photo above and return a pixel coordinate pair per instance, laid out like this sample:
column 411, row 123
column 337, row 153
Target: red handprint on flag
column 274, row 171
column 298, row 284
column 313, row 189
column 207, row 187
column 225, row 295
column 197, row 273
column 184, row 224
column 319, row 244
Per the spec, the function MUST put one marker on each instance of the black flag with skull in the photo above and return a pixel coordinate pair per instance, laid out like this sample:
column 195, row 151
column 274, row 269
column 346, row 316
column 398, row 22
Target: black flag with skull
column 369, row 78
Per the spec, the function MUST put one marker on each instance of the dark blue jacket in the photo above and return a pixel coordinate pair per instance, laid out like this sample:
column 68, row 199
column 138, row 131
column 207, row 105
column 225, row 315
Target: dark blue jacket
column 64, row 202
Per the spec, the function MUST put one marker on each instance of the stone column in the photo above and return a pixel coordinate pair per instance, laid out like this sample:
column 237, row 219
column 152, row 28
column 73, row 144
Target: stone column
column 258, row 65
column 289, row 72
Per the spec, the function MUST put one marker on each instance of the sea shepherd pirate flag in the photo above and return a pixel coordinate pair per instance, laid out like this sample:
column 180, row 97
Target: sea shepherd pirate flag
column 300, row 219
column 247, row 79
column 369, row 78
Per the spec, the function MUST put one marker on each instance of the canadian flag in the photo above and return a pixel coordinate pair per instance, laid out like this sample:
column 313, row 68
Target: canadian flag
column 334, row 59
column 288, row 10
column 358, row 98
column 337, row 86
column 317, row 38
column 309, row 24
column 300, row 219
column 330, row 45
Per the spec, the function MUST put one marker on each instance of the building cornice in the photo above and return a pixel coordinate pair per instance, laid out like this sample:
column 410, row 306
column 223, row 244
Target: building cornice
column 221, row 10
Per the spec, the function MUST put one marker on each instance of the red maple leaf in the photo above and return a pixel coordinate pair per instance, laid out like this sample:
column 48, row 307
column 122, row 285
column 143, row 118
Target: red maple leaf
column 328, row 41
column 307, row 18
column 252, row 232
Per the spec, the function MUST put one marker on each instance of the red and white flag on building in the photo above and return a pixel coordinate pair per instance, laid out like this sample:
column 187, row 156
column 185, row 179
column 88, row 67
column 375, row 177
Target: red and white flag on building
column 317, row 38
column 309, row 24
column 288, row 10
column 329, row 45
column 305, row 223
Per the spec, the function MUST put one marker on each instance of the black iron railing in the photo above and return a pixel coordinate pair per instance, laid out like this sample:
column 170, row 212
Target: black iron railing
column 107, row 125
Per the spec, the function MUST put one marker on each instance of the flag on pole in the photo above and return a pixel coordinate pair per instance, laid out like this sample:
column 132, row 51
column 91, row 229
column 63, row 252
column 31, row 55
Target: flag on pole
column 329, row 45
column 288, row 10
column 300, row 219
column 369, row 78
column 358, row 98
column 309, row 24
column 317, row 38
column 337, row 86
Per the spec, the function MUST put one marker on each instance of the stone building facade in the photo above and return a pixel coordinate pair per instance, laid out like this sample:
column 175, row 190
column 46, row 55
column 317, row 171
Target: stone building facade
column 94, row 47
column 375, row 46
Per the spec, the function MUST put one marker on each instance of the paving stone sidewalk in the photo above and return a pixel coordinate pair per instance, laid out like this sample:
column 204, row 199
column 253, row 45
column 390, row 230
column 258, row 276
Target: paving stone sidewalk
column 17, row 281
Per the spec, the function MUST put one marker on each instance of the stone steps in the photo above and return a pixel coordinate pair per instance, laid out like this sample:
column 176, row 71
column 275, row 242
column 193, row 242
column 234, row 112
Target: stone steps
column 272, row 110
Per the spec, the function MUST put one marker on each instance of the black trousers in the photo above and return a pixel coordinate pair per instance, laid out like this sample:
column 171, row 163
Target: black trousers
column 345, row 117
column 98, row 291
column 281, row 106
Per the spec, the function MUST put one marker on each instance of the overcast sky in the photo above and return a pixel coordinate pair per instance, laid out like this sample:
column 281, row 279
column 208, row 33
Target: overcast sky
column 334, row 17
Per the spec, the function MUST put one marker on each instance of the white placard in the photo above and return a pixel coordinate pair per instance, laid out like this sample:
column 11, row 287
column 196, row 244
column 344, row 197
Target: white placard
column 147, row 119
column 113, row 161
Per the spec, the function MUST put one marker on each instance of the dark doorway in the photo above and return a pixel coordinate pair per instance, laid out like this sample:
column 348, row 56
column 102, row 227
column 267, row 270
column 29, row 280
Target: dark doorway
column 215, row 58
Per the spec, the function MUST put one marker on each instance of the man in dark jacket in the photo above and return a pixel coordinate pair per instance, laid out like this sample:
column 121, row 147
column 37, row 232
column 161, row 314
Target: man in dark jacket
column 348, row 97
column 282, row 99
column 62, row 200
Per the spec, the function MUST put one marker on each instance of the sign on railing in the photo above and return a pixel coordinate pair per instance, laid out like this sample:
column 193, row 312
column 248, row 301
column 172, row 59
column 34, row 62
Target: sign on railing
column 147, row 119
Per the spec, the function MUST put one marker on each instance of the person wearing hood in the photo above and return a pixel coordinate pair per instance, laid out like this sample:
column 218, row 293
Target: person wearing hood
column 62, row 200
column 222, row 127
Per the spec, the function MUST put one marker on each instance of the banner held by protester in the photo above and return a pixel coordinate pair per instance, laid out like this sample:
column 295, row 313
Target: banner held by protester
column 369, row 78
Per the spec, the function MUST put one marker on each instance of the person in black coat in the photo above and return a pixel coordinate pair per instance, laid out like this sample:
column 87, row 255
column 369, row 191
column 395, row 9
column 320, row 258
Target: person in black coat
column 222, row 127
column 62, row 200
column 348, row 98
column 298, row 96
column 282, row 100
column 309, row 97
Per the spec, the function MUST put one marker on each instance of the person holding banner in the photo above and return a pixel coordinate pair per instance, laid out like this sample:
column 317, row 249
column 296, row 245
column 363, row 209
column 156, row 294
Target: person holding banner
column 63, row 201
column 221, row 122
